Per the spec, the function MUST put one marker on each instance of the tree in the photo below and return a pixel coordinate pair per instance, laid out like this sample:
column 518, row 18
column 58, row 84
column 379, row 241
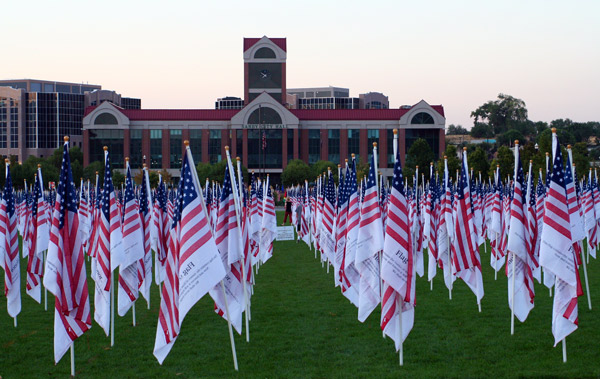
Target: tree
column 509, row 137
column 321, row 167
column 419, row 154
column 482, row 130
column 478, row 161
column 545, row 139
column 295, row 172
column 581, row 159
column 506, row 160
column 362, row 170
column 502, row 114
column 453, row 160
column 456, row 130
column 118, row 178
column 89, row 172
column 214, row 172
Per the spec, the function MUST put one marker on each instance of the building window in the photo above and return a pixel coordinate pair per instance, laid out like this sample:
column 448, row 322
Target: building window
column 264, row 53
column 106, row 119
column 290, row 145
column 372, row 136
column 264, row 115
column 175, row 148
column 32, row 125
column 353, row 144
column 155, row 148
column 432, row 136
column 3, row 121
column 239, row 143
column 314, row 145
column 214, row 146
column 196, row 144
column 422, row 118
column 391, row 160
column 113, row 139
column 333, row 146
column 135, row 149
column 14, row 124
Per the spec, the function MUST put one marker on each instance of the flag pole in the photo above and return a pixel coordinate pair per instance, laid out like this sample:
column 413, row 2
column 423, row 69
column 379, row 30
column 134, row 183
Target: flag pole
column 73, row 358
column 564, row 349
column 45, row 289
column 513, row 268
column 201, row 196
column 133, row 312
column 380, row 252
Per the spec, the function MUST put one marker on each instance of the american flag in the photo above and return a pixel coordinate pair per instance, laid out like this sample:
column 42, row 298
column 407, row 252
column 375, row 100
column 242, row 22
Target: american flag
column 109, row 243
column 132, row 269
column 65, row 273
column 576, row 221
column 326, row 236
column 193, row 265
column 10, row 246
column 556, row 250
column 369, row 244
column 228, row 240
column 349, row 275
column 591, row 224
column 146, row 220
column 268, row 225
column 340, row 229
column 466, row 254
column 397, row 265
column 38, row 239
column 159, row 230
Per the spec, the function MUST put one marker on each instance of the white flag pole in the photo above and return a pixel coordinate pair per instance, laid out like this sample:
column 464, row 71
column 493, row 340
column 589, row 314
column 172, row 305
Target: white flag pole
column 133, row 312
column 380, row 252
column 73, row 358
column 45, row 290
column 446, row 184
column 564, row 346
column 401, row 350
column 201, row 196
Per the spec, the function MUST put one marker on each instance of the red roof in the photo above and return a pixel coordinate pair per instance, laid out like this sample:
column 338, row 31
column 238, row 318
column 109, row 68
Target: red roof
column 349, row 114
column 439, row 109
column 174, row 114
column 249, row 42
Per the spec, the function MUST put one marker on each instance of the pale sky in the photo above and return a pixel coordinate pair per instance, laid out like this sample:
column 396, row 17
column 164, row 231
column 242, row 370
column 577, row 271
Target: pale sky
column 186, row 54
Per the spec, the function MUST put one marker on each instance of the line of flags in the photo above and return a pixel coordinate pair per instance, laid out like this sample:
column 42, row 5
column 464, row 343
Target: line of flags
column 374, row 233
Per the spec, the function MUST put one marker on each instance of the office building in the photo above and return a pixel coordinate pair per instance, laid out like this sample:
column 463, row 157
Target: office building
column 266, row 134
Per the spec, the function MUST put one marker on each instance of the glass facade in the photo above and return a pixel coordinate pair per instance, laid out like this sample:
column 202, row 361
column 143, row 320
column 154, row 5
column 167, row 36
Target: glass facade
column 353, row 144
column 196, row 144
column 3, row 121
column 113, row 138
column 432, row 136
column 14, row 123
column 372, row 136
column 329, row 103
column 214, row 146
column 131, row 103
column 422, row 118
column 155, row 148
column 314, row 146
column 333, row 146
column 31, row 122
column 135, row 149
column 390, row 148
column 176, row 148
column 239, row 143
column 272, row 154
column 290, row 145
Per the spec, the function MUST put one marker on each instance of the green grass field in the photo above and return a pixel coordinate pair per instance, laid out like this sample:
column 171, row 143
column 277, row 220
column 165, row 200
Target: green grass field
column 303, row 327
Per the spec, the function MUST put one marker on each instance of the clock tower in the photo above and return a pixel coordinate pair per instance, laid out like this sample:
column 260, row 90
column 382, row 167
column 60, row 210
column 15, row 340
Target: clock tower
column 264, row 68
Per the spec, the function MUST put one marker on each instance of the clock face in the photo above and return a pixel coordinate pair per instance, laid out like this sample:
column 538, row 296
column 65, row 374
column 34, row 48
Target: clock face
column 265, row 74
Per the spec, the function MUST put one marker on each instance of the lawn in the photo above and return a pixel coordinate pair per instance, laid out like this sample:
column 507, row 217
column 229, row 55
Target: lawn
column 303, row 327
